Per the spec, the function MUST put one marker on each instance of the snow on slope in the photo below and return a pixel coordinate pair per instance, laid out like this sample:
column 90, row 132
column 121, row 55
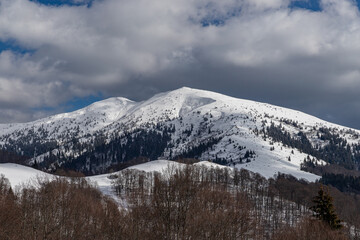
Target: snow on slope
column 235, row 120
column 197, row 116
column 19, row 175
column 156, row 166
column 184, row 100
column 272, row 166
column 104, row 181
column 76, row 124
column 210, row 165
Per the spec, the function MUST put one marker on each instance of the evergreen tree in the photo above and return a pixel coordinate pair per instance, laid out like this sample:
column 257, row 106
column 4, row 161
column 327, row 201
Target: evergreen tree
column 324, row 209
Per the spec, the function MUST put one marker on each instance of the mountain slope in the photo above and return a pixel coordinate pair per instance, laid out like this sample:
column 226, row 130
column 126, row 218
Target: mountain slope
column 184, row 123
column 22, row 176
column 51, row 132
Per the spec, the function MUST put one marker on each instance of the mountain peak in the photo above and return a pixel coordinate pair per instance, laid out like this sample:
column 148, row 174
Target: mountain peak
column 185, row 122
column 109, row 102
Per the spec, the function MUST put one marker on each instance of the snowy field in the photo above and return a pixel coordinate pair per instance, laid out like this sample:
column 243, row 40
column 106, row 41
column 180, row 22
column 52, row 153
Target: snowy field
column 20, row 176
column 196, row 116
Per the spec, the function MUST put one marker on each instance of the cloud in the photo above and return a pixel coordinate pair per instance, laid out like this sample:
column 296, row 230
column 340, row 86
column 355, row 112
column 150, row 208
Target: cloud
column 262, row 50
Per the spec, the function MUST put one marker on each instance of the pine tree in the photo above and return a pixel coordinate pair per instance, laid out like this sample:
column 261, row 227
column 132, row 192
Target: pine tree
column 324, row 209
column 35, row 165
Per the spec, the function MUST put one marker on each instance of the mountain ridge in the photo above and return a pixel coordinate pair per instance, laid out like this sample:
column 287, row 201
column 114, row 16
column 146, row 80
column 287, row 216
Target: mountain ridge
column 183, row 123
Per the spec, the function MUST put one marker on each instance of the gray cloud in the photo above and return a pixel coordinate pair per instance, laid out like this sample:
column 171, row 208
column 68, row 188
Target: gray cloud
column 258, row 49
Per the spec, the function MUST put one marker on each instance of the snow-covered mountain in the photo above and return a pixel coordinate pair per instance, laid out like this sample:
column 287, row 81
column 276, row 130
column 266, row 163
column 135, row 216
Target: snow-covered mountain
column 183, row 123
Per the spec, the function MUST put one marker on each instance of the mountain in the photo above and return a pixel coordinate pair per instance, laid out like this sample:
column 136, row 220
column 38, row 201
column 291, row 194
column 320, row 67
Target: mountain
column 184, row 123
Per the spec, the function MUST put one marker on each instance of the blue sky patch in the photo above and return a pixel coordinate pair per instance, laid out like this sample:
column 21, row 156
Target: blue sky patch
column 64, row 2
column 313, row 5
column 78, row 103
column 219, row 19
column 216, row 22
column 72, row 105
column 11, row 45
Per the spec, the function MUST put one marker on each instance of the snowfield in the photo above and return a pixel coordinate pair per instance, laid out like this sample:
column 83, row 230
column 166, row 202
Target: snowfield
column 196, row 117
column 156, row 166
column 20, row 176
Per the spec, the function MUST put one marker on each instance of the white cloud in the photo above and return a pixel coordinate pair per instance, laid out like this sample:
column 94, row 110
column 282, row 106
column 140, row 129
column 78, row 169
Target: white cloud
column 267, row 4
column 78, row 50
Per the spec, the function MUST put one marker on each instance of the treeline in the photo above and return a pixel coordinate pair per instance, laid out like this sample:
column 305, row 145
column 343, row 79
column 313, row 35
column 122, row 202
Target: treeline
column 302, row 192
column 311, row 165
column 197, row 151
column 58, row 209
column 336, row 150
column 203, row 203
column 9, row 157
column 337, row 176
column 22, row 147
column 345, row 183
column 101, row 156
column 278, row 134
column 181, row 203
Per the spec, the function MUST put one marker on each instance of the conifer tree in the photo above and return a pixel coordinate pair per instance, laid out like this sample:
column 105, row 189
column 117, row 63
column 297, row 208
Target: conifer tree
column 324, row 209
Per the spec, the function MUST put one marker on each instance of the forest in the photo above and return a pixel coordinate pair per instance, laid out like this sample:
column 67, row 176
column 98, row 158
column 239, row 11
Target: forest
column 336, row 151
column 182, row 203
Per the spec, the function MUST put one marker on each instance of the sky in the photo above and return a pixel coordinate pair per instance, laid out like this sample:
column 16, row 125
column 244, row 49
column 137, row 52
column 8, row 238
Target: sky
column 61, row 55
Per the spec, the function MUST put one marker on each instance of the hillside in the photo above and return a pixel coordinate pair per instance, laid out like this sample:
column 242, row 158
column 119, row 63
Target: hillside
column 20, row 176
column 183, row 123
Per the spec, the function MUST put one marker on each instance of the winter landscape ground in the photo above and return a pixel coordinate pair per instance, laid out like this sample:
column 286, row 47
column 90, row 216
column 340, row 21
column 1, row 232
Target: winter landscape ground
column 181, row 123
column 179, row 120
column 252, row 152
